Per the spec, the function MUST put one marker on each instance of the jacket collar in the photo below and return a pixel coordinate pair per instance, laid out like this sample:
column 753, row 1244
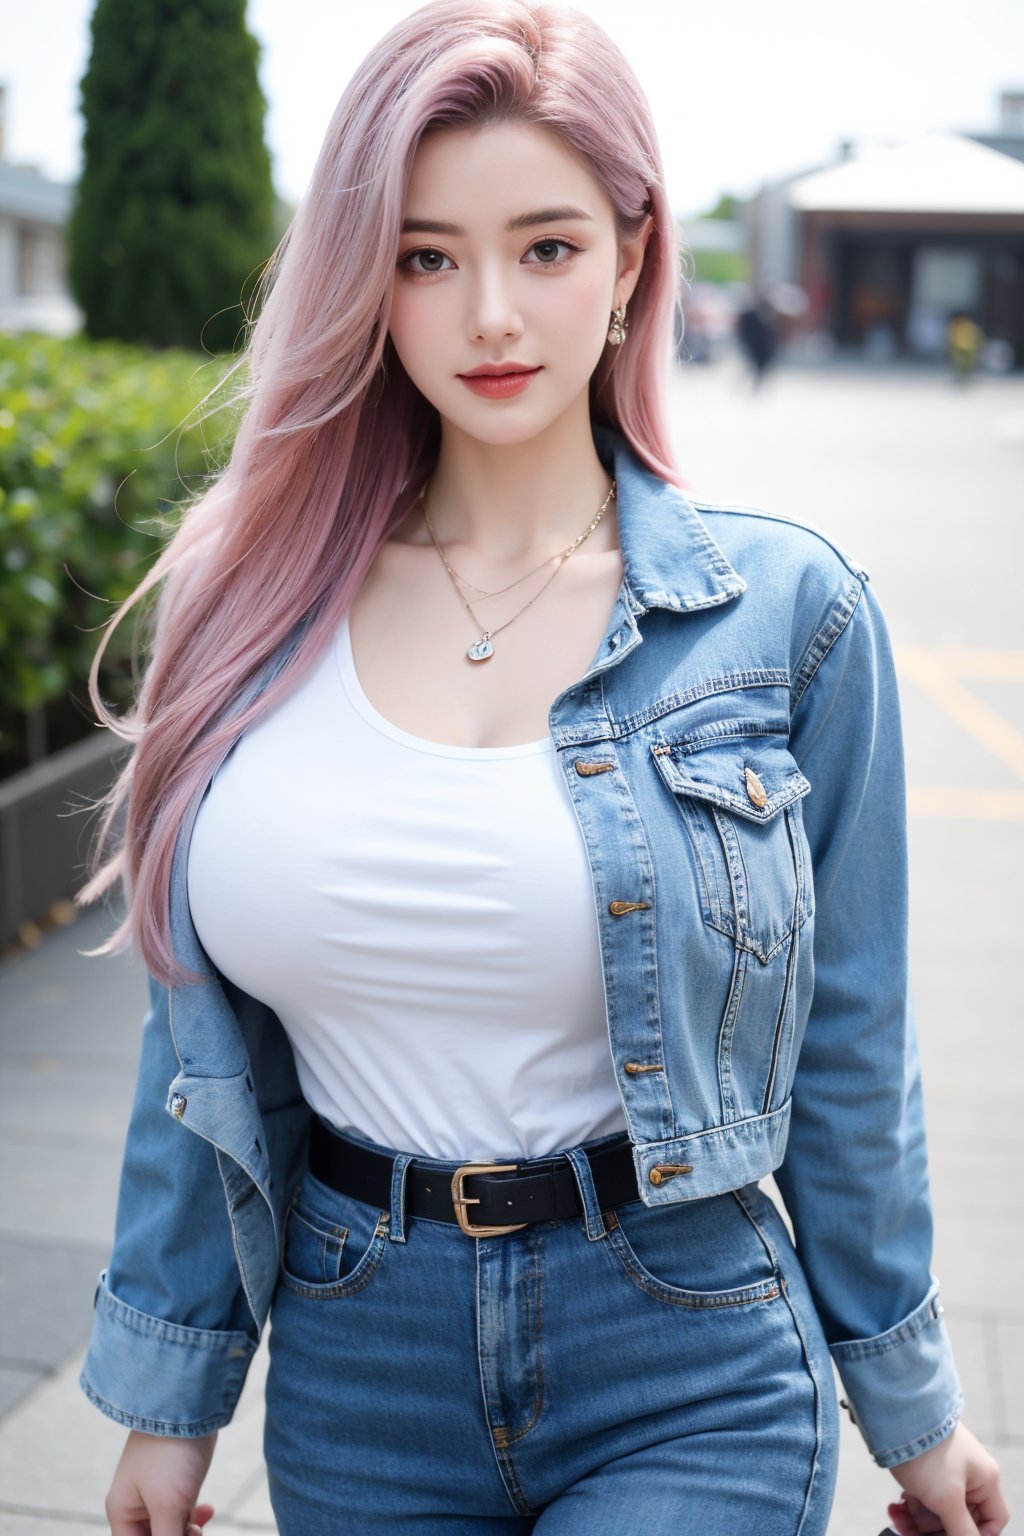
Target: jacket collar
column 669, row 557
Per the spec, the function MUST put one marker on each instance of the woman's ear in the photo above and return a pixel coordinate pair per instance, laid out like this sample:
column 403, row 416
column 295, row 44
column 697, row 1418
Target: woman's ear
column 631, row 260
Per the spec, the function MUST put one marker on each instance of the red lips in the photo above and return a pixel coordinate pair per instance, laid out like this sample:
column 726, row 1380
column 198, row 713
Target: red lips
column 499, row 381
column 496, row 370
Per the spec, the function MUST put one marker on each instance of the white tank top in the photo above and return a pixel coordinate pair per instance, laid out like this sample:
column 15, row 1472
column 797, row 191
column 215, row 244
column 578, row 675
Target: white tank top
column 420, row 917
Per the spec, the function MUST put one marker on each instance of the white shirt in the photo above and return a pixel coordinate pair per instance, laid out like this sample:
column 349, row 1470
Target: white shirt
column 420, row 917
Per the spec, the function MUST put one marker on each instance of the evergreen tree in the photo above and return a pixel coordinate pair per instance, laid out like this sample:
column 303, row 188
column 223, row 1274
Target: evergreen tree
column 175, row 208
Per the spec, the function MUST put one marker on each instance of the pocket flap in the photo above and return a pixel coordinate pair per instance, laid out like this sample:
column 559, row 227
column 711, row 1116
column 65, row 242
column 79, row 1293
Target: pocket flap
column 753, row 776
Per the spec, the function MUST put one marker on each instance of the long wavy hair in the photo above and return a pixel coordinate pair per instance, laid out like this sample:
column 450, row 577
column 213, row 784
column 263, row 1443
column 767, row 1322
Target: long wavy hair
column 335, row 441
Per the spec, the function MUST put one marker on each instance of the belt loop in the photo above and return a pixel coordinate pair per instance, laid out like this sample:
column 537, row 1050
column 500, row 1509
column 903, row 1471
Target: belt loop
column 401, row 1163
column 588, row 1194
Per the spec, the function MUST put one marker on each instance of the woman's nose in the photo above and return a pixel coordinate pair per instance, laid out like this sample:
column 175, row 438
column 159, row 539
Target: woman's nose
column 494, row 311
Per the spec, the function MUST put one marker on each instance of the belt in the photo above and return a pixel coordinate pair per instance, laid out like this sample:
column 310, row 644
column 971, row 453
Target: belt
column 484, row 1199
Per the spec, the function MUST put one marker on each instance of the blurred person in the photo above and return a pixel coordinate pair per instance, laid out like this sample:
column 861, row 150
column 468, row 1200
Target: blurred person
column 964, row 342
column 517, row 851
column 757, row 334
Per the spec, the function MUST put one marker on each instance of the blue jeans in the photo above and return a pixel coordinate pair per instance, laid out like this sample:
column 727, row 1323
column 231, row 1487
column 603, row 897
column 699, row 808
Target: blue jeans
column 649, row 1371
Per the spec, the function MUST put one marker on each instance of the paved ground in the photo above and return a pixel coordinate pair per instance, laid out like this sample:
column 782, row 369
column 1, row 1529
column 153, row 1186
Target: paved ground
column 925, row 484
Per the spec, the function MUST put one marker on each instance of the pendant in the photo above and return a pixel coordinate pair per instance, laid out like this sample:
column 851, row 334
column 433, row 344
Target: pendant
column 480, row 650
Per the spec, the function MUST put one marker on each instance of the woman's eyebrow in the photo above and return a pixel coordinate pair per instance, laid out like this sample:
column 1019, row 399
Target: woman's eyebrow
column 521, row 221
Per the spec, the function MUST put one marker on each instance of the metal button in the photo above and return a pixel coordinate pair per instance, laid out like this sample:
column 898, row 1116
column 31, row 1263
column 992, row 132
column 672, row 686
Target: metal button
column 662, row 1172
column 178, row 1103
column 620, row 908
column 755, row 789
column 585, row 768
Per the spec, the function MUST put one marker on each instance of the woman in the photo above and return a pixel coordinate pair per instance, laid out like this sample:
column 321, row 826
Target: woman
column 468, row 749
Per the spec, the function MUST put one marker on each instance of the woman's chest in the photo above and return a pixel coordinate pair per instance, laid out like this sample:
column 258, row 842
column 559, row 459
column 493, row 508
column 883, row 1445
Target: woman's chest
column 411, row 631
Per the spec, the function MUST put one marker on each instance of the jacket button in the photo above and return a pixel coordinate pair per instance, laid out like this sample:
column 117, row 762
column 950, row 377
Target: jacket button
column 662, row 1172
column 620, row 908
column 585, row 768
column 755, row 789
column 178, row 1103
column 633, row 1067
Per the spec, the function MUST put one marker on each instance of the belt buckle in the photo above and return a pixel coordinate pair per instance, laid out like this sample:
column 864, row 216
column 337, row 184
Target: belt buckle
column 461, row 1200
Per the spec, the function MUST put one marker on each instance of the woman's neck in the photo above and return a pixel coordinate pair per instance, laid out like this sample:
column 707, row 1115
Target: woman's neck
column 511, row 500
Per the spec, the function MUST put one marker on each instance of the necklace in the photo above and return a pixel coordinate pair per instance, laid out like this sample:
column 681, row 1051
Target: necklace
column 465, row 581
column 482, row 649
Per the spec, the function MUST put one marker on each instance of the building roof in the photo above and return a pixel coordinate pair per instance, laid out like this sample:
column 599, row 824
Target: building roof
column 25, row 194
column 939, row 173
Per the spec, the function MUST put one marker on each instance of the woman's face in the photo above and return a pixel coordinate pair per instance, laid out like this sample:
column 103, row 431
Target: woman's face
column 509, row 254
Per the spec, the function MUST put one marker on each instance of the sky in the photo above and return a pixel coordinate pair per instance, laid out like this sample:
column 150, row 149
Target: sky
column 743, row 92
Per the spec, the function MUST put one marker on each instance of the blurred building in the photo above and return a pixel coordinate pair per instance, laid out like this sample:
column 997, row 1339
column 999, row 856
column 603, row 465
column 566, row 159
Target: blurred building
column 33, row 283
column 889, row 244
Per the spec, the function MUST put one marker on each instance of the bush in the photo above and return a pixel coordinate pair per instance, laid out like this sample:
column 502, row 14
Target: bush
column 91, row 467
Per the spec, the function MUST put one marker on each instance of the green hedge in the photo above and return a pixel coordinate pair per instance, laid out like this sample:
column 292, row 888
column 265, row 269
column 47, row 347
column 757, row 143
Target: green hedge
column 92, row 464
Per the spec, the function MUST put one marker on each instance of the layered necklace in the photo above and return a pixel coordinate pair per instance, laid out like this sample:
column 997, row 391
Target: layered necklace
column 483, row 649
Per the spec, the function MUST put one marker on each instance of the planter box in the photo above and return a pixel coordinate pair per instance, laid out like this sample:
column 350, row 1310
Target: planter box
column 44, row 833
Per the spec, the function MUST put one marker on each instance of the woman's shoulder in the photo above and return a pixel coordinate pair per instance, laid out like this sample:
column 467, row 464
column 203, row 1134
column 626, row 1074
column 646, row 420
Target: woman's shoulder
column 763, row 542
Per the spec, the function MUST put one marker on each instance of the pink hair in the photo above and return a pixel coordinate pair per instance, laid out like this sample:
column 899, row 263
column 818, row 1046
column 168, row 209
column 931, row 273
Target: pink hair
column 335, row 441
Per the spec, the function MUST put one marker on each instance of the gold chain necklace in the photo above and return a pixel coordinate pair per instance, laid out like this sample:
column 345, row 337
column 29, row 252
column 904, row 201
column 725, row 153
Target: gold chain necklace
column 482, row 649
column 465, row 581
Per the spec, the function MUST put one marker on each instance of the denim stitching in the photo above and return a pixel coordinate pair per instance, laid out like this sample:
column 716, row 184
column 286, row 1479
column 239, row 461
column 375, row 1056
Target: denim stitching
column 901, row 1453
column 744, row 1200
column 353, row 1282
column 735, row 509
column 679, row 1296
column 840, row 614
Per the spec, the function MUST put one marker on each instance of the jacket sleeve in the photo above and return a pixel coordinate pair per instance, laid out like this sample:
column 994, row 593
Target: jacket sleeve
column 855, row 1177
column 172, row 1333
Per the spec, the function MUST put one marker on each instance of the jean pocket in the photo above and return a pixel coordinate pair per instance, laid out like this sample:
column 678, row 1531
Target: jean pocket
column 739, row 800
column 702, row 1254
column 333, row 1246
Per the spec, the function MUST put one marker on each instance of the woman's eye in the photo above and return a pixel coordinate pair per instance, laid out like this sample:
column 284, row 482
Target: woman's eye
column 552, row 253
column 424, row 261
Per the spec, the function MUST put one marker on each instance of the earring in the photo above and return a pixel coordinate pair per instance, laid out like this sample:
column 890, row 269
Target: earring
column 618, row 328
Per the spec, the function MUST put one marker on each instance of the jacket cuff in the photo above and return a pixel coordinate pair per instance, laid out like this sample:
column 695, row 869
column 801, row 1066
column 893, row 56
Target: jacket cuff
column 903, row 1390
column 159, row 1377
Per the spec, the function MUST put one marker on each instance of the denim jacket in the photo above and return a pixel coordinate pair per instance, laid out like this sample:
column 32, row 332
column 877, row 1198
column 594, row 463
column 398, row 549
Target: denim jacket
column 734, row 757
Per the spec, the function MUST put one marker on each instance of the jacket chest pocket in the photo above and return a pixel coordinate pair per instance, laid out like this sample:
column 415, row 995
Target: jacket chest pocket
column 739, row 799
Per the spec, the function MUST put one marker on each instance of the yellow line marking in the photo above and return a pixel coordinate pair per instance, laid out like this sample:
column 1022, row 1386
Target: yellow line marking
column 1002, row 739
column 976, row 663
column 967, row 804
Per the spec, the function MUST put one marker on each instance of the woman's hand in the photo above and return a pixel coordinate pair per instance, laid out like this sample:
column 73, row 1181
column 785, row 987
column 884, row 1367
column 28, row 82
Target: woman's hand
column 156, row 1485
column 953, row 1489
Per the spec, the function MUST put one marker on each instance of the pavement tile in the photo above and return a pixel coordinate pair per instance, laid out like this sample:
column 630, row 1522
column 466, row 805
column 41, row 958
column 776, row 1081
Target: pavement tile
column 74, row 1482
column 54, row 1002
column 1009, row 1370
column 57, row 1452
column 67, row 1194
column 974, row 1179
column 255, row 1507
column 935, row 755
column 33, row 1335
column 974, row 1340
column 978, row 1265
column 24, row 1523
column 48, row 1096
column 16, row 1382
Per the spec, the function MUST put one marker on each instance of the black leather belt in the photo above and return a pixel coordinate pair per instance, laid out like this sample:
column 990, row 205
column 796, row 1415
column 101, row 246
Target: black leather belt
column 482, row 1198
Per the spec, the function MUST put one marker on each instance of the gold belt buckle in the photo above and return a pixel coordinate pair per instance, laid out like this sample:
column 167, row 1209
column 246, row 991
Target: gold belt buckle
column 460, row 1200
